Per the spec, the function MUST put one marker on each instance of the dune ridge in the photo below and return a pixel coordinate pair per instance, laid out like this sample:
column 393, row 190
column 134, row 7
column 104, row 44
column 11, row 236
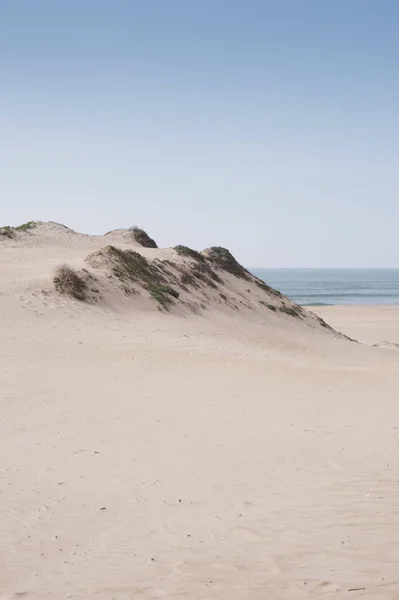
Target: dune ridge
column 179, row 280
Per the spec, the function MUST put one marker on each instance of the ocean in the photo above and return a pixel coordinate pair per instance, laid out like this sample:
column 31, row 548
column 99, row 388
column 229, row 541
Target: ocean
column 318, row 287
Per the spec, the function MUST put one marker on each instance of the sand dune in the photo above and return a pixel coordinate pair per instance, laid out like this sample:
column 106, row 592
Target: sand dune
column 202, row 449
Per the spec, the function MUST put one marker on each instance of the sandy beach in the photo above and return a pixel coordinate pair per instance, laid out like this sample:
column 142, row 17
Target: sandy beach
column 368, row 324
column 226, row 454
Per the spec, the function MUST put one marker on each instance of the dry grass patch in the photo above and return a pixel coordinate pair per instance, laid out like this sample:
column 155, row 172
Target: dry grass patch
column 69, row 282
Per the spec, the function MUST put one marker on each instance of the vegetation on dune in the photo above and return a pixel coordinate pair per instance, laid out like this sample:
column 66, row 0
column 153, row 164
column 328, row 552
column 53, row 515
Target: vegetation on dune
column 143, row 238
column 168, row 274
column 268, row 305
column 223, row 258
column 163, row 294
column 292, row 310
column 204, row 273
column 198, row 273
column 132, row 267
column 128, row 265
column 27, row 226
column 168, row 289
column 190, row 253
column 326, row 326
column 7, row 232
column 188, row 279
column 267, row 288
column 68, row 281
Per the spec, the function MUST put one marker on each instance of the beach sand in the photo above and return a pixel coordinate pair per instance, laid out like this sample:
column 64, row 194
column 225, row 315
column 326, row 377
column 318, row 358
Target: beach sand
column 368, row 324
column 210, row 456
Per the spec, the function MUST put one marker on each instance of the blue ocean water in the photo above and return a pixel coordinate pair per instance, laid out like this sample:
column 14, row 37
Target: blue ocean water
column 319, row 287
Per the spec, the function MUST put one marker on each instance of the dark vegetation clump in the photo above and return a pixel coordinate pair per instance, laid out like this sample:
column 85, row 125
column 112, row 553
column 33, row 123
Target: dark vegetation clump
column 68, row 281
column 223, row 258
column 188, row 279
column 200, row 272
column 269, row 306
column 168, row 289
column 267, row 288
column 203, row 272
column 7, row 232
column 293, row 310
column 26, row 226
column 325, row 325
column 190, row 253
column 163, row 294
column 329, row 328
column 161, row 266
column 143, row 238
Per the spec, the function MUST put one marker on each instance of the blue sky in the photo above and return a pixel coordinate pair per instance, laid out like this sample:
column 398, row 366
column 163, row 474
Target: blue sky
column 271, row 128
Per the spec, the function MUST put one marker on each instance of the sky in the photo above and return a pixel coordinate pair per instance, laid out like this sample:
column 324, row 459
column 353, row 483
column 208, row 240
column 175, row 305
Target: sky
column 268, row 127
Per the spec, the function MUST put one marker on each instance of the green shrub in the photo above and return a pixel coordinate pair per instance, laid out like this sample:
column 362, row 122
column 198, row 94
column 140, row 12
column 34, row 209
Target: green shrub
column 27, row 226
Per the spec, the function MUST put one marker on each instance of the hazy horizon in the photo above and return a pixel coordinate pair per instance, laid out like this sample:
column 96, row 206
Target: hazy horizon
column 270, row 128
